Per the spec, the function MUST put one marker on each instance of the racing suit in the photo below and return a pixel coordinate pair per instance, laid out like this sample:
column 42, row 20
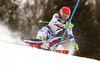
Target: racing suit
column 56, row 25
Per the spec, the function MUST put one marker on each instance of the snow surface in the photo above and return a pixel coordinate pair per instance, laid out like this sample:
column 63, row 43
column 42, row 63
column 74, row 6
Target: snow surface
column 13, row 54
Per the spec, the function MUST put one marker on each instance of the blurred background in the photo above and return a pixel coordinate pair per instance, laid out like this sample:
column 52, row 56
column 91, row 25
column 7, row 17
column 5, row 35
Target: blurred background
column 24, row 16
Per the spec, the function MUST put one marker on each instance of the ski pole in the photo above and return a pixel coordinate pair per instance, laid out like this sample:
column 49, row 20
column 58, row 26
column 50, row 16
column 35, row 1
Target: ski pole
column 67, row 25
column 46, row 22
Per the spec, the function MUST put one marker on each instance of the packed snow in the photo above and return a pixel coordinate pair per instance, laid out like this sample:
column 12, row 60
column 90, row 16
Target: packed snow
column 13, row 54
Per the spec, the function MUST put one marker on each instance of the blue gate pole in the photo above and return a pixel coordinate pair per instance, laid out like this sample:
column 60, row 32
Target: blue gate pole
column 67, row 25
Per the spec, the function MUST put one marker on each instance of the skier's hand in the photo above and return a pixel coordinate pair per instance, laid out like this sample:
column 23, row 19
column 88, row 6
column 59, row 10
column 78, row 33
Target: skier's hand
column 75, row 46
column 70, row 25
column 65, row 25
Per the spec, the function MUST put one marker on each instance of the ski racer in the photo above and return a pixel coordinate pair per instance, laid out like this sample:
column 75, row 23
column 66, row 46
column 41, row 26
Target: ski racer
column 49, row 31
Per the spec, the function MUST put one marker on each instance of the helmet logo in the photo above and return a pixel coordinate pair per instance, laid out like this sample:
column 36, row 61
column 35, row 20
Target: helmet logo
column 66, row 12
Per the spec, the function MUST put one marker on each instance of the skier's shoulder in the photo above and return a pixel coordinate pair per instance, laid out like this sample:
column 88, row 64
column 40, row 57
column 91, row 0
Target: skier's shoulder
column 56, row 15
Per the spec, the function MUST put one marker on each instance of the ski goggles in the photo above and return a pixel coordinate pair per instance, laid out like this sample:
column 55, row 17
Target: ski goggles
column 65, row 16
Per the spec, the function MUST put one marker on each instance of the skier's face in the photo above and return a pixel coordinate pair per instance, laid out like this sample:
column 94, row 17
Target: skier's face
column 64, row 19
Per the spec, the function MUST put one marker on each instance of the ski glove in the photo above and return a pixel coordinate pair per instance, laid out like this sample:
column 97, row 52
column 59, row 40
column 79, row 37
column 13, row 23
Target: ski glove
column 70, row 25
column 75, row 46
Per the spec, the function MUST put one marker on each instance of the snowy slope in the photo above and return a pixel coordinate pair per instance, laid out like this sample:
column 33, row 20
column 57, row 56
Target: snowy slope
column 13, row 54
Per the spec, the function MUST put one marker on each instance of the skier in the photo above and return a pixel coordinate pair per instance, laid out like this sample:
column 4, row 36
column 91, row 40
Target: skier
column 49, row 31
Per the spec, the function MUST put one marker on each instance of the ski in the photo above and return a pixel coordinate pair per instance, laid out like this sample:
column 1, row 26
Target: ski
column 58, row 51
column 35, row 43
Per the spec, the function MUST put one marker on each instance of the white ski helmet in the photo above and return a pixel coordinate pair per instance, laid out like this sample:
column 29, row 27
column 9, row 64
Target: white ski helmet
column 65, row 12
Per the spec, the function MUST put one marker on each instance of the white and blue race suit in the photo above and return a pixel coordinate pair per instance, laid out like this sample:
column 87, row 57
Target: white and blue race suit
column 51, row 30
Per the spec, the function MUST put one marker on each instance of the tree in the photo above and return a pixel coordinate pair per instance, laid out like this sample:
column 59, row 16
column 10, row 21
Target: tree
column 98, row 10
column 8, row 11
